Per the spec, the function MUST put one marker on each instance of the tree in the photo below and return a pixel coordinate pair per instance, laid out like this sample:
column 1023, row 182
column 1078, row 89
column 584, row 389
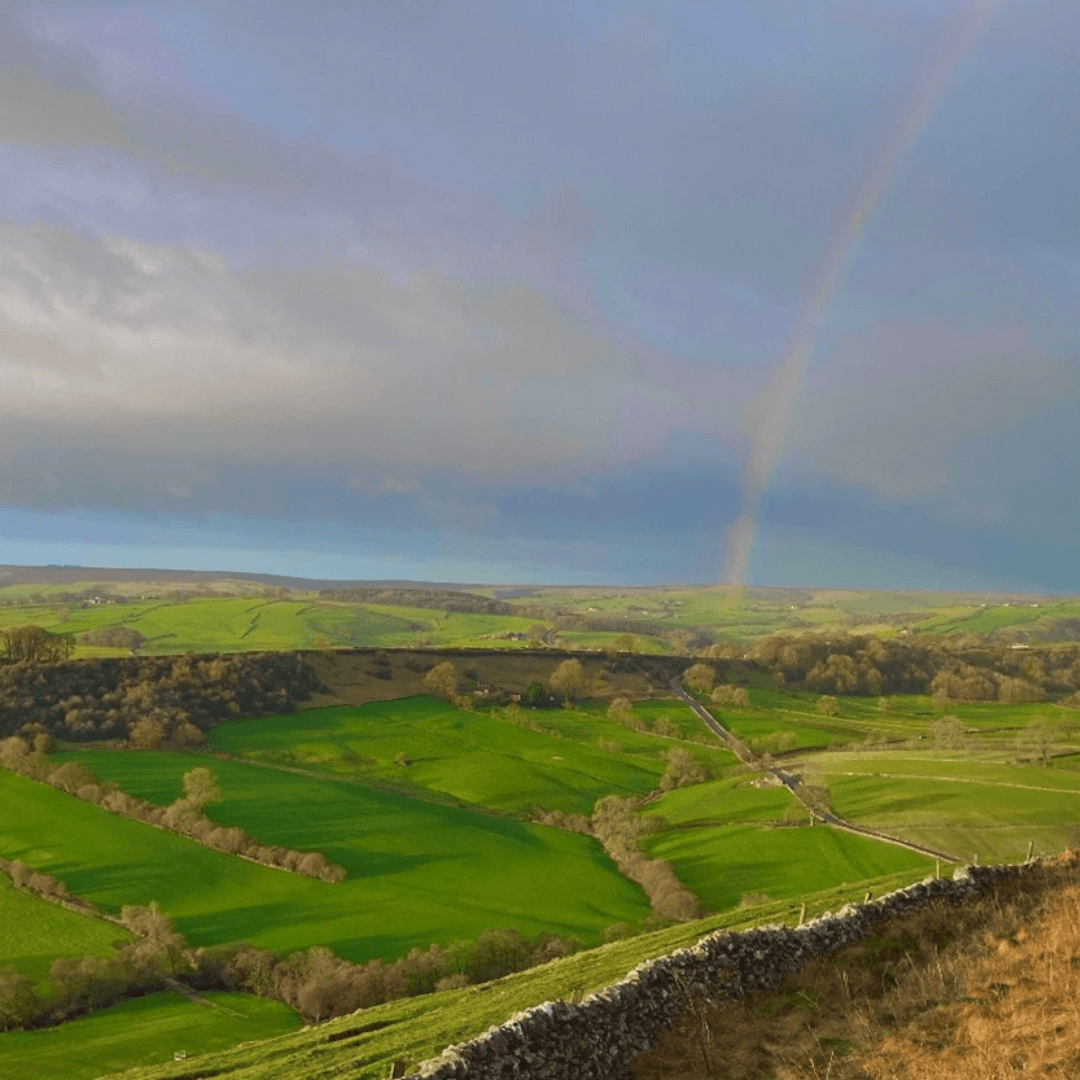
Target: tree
column 71, row 776
column 948, row 733
column 442, row 681
column 18, row 1001
column 732, row 697
column 534, row 695
column 146, row 733
column 700, row 677
column 200, row 788
column 827, row 705
column 620, row 710
column 624, row 643
column 682, row 771
column 1037, row 741
column 12, row 752
column 568, row 680
column 35, row 643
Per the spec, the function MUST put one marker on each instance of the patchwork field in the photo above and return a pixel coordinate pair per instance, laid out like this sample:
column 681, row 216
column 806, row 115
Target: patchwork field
column 730, row 839
column 418, row 872
column 142, row 1032
column 246, row 615
column 972, row 808
column 565, row 760
column 418, row 1028
column 424, row 804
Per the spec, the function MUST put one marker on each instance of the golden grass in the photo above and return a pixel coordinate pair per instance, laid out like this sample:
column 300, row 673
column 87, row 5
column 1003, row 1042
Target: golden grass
column 986, row 991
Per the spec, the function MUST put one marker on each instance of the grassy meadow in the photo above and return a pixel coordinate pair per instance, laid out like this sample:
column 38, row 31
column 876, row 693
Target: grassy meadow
column 35, row 932
column 242, row 615
column 419, row 872
column 732, row 839
column 365, row 1046
column 564, row 760
column 143, row 1032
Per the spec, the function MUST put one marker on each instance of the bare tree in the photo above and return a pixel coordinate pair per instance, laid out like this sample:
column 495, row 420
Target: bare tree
column 700, row 677
column 733, row 697
column 948, row 733
column 442, row 680
column 568, row 680
column 1037, row 741
column 200, row 788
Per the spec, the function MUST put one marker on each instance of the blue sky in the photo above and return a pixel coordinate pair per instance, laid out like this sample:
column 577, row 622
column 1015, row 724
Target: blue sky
column 495, row 291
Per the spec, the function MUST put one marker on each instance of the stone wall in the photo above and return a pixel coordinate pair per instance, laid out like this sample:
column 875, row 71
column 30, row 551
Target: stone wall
column 597, row 1039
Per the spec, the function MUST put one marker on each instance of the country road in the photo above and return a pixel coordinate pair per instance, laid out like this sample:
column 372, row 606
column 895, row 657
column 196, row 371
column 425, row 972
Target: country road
column 793, row 784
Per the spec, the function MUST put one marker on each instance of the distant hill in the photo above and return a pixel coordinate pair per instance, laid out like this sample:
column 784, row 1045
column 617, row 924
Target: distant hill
column 64, row 575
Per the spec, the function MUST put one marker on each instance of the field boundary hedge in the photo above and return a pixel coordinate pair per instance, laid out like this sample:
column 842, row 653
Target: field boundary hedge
column 183, row 817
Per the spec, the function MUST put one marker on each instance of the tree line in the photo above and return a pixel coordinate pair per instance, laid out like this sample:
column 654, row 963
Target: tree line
column 184, row 815
column 315, row 982
column 965, row 669
column 149, row 701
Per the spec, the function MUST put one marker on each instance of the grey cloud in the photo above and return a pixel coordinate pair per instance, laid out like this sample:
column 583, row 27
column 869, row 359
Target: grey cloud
column 108, row 346
column 895, row 409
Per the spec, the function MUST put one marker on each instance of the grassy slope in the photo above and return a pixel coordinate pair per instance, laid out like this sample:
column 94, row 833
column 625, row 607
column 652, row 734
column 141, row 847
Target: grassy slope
column 145, row 1031
column 34, row 932
column 959, row 805
column 726, row 840
column 248, row 621
column 418, row 872
column 475, row 757
column 419, row 1028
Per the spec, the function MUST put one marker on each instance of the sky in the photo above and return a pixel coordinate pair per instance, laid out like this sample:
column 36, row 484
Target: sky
column 508, row 292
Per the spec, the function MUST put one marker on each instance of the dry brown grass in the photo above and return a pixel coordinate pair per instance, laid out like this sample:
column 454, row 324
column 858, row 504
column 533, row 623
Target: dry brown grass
column 984, row 991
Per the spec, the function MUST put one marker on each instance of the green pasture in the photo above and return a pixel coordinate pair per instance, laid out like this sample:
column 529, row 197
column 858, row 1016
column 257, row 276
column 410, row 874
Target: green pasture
column 565, row 761
column 958, row 805
column 727, row 838
column 725, row 802
column 246, row 620
column 722, row 863
column 418, row 872
column 35, row 932
column 603, row 639
column 143, row 1032
column 253, row 623
column 418, row 1028
column 447, row 627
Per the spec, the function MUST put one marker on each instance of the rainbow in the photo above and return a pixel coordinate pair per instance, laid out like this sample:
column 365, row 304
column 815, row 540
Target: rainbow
column 782, row 391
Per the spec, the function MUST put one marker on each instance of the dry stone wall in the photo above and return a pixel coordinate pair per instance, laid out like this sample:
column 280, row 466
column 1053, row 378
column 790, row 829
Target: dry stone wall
column 598, row 1038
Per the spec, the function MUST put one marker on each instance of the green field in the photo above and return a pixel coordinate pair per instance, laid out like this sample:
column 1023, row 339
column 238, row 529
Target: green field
column 418, row 872
column 957, row 804
column 479, row 758
column 728, row 838
column 35, row 932
column 246, row 620
column 241, row 624
column 146, row 1031
column 415, row 1029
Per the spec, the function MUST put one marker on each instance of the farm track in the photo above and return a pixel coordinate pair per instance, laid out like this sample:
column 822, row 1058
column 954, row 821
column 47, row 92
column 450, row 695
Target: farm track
column 792, row 783
column 196, row 998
